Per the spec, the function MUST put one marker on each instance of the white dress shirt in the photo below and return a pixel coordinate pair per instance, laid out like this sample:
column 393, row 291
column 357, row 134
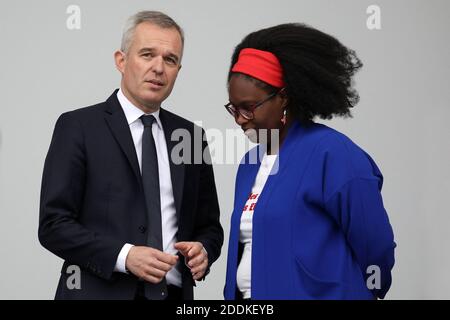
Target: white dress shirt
column 168, row 211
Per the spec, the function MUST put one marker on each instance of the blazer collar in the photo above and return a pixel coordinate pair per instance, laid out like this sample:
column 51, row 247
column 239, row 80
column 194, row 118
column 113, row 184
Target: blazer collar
column 252, row 162
column 118, row 123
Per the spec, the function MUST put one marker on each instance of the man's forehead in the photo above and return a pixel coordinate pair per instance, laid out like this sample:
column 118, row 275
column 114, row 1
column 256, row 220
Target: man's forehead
column 151, row 30
column 152, row 36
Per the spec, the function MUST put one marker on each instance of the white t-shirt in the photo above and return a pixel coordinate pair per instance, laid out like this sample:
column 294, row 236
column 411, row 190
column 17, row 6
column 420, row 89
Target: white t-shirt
column 244, row 276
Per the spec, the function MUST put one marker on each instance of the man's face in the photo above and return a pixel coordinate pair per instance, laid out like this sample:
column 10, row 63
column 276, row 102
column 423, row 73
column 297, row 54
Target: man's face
column 150, row 67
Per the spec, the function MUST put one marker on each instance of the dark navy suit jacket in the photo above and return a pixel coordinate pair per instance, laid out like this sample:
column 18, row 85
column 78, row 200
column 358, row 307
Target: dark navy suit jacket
column 92, row 199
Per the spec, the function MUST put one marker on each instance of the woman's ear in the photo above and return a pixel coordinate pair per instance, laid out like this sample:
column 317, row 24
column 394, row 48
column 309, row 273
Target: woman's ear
column 285, row 102
column 284, row 98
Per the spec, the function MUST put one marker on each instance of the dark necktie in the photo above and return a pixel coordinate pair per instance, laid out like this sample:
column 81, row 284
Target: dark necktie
column 150, row 180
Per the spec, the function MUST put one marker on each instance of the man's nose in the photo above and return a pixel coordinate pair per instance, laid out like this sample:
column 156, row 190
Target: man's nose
column 158, row 65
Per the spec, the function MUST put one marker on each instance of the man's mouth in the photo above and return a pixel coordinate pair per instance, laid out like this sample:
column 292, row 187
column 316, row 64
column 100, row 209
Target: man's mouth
column 156, row 82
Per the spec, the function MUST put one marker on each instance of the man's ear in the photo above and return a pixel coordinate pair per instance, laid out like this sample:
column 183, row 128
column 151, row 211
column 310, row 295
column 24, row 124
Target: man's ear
column 179, row 67
column 119, row 58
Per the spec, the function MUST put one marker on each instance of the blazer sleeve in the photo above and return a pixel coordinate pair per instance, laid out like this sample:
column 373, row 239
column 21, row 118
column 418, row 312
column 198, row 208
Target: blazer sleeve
column 352, row 196
column 358, row 208
column 62, row 193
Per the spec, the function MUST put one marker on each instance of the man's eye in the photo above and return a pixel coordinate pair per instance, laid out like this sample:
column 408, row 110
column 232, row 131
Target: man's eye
column 171, row 61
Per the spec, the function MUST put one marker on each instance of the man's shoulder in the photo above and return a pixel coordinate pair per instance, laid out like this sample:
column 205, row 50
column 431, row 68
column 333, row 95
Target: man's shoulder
column 111, row 104
column 176, row 119
column 86, row 112
column 89, row 117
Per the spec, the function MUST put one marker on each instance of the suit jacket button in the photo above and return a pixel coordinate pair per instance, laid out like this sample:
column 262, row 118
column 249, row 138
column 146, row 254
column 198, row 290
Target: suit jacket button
column 142, row 229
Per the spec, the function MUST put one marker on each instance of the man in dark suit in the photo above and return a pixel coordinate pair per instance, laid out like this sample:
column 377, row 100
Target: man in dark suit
column 116, row 200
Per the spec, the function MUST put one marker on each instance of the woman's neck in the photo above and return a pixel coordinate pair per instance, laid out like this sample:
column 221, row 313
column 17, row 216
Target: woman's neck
column 274, row 148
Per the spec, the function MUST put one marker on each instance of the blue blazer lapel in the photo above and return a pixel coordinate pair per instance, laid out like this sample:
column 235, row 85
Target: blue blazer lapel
column 244, row 184
column 247, row 172
column 280, row 165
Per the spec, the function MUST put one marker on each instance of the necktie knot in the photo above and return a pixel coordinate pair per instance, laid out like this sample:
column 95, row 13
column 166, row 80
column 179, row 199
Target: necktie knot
column 147, row 120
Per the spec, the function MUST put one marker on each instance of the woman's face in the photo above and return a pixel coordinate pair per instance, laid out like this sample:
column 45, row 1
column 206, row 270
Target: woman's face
column 244, row 93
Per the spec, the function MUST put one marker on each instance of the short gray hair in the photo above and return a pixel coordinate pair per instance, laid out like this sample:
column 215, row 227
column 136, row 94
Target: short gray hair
column 155, row 17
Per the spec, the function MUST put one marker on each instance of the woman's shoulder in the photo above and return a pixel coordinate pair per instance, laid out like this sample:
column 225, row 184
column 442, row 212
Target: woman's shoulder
column 336, row 150
column 330, row 140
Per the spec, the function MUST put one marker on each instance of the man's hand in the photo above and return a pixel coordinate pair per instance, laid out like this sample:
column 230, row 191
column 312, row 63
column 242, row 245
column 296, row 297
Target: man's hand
column 149, row 264
column 196, row 257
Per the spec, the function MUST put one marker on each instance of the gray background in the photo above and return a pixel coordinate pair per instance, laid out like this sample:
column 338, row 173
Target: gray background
column 401, row 119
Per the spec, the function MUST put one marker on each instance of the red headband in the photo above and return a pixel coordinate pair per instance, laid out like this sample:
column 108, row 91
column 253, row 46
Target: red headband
column 262, row 65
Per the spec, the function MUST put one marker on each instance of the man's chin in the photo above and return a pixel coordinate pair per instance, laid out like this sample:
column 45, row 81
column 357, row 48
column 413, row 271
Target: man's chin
column 151, row 100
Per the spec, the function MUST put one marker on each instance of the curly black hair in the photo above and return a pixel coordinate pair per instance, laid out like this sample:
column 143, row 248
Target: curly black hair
column 317, row 69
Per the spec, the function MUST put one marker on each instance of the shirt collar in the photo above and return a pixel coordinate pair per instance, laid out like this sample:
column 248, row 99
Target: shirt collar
column 133, row 113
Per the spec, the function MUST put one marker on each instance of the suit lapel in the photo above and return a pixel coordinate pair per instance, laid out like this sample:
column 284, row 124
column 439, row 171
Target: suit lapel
column 177, row 171
column 117, row 122
column 246, row 184
column 295, row 135
column 252, row 162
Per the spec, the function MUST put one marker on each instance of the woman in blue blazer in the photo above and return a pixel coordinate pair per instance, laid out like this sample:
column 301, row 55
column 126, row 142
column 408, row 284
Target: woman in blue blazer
column 308, row 219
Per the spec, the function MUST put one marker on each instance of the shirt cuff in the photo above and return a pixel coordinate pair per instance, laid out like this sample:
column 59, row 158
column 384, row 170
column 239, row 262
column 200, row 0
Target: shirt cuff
column 122, row 258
